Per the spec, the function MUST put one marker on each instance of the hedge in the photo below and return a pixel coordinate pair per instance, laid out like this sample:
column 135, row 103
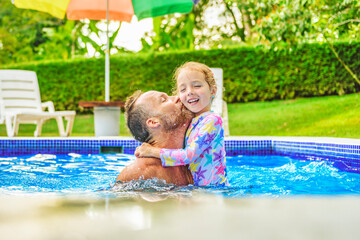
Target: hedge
column 250, row 74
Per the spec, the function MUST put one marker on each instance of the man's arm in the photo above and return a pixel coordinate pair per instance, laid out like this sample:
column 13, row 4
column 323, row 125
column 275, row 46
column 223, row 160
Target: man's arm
column 146, row 150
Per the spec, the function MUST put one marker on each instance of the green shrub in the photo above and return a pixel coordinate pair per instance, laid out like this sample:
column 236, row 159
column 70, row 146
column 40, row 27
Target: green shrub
column 250, row 74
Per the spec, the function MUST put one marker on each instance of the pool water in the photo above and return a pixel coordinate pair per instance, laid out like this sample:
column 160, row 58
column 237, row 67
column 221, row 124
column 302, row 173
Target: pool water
column 248, row 176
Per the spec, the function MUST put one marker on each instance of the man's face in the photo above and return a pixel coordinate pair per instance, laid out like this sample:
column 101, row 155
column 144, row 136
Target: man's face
column 168, row 109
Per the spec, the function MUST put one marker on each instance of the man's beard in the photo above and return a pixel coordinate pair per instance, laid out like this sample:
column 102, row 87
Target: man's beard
column 174, row 121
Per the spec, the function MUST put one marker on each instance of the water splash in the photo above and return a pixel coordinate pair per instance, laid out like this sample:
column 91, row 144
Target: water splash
column 148, row 185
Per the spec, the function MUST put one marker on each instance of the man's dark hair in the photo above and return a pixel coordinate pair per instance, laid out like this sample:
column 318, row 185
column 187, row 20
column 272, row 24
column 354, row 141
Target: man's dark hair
column 136, row 118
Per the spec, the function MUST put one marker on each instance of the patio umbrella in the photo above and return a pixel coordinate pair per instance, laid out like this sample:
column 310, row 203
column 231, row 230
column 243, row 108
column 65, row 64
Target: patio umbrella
column 120, row 10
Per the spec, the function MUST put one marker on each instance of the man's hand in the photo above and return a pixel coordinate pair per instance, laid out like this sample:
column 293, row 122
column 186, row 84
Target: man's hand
column 146, row 150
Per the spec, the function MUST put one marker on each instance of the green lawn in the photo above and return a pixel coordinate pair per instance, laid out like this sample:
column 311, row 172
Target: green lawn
column 333, row 116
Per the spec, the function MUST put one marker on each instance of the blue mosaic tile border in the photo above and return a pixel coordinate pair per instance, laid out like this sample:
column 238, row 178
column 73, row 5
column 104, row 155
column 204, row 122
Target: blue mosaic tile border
column 13, row 147
column 344, row 156
column 248, row 147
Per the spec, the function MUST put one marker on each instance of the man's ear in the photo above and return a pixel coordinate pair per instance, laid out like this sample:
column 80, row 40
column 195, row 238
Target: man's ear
column 153, row 122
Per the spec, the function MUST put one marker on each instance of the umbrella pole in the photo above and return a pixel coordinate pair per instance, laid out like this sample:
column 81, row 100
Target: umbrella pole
column 107, row 57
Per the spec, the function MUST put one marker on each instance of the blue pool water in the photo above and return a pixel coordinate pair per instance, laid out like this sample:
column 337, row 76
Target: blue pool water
column 248, row 175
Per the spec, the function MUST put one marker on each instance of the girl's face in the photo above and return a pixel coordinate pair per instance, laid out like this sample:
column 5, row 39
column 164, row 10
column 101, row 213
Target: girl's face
column 194, row 91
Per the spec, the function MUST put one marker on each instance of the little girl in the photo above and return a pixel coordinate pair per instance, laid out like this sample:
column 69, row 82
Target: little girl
column 204, row 139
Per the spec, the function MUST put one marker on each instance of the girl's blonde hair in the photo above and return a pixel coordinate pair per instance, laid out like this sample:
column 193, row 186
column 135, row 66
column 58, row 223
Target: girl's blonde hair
column 195, row 66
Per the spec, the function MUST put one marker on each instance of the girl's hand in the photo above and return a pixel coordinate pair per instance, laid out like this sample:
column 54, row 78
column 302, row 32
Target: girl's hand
column 146, row 150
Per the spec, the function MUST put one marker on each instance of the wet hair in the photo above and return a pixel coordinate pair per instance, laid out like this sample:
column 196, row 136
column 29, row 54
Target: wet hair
column 195, row 66
column 136, row 118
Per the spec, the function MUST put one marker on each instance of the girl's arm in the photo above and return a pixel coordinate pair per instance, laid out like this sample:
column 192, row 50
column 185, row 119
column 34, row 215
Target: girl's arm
column 146, row 150
column 199, row 145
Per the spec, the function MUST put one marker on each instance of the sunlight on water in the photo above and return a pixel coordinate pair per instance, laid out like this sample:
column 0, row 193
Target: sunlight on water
column 248, row 175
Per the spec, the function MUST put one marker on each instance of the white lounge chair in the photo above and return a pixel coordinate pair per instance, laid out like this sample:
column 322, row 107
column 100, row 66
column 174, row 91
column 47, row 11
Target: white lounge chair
column 20, row 102
column 219, row 105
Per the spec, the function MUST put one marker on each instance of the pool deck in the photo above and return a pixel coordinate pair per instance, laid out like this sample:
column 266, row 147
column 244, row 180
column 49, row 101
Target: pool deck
column 147, row 216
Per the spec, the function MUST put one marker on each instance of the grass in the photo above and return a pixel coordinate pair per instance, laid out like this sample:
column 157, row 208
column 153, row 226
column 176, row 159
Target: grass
column 331, row 116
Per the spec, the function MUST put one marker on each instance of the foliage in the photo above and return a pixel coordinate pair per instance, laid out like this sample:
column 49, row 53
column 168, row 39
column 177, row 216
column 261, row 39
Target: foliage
column 170, row 32
column 29, row 35
column 274, row 23
column 250, row 74
column 309, row 21
column 91, row 33
column 61, row 43
column 180, row 31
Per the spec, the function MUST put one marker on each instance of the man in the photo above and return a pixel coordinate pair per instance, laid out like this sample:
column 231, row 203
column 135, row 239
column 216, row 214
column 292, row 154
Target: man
column 160, row 120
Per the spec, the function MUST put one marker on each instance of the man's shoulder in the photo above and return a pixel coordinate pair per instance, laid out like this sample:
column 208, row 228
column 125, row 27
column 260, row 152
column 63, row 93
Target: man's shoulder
column 140, row 168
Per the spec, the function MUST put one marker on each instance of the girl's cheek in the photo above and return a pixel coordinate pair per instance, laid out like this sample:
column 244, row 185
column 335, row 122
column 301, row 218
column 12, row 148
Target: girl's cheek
column 182, row 98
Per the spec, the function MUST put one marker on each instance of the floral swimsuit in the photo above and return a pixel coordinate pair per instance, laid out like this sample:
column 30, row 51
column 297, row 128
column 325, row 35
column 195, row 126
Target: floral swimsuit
column 204, row 151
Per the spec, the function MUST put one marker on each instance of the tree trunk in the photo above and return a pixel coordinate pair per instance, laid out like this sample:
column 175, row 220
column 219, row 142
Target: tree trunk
column 239, row 31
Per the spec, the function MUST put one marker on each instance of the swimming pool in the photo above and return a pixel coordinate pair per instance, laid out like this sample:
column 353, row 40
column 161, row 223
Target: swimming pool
column 265, row 166
column 249, row 175
column 144, row 215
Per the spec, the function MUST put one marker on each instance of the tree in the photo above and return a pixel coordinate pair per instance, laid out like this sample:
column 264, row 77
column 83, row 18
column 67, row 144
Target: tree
column 28, row 35
column 308, row 21
column 91, row 35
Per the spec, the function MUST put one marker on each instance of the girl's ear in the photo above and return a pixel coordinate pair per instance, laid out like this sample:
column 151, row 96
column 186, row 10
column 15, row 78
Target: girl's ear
column 213, row 90
column 153, row 122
